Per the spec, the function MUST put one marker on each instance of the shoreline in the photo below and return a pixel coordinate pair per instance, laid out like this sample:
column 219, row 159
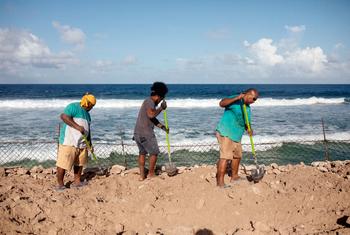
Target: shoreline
column 289, row 199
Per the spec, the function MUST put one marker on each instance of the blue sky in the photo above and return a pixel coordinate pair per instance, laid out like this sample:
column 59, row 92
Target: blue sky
column 175, row 41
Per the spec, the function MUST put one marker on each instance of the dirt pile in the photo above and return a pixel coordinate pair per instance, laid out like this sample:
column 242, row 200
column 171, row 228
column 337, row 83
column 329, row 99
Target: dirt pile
column 290, row 199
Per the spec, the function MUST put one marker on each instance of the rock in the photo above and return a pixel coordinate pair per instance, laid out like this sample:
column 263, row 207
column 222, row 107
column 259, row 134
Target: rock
column 261, row 227
column 22, row 171
column 231, row 195
column 41, row 176
column 37, row 169
column 9, row 171
column 115, row 170
column 134, row 171
column 2, row 172
column 196, row 166
column 328, row 166
column 250, row 167
column 322, row 169
column 181, row 169
column 274, row 166
column 123, row 168
column 276, row 171
column 48, row 171
column 40, row 218
column 283, row 169
column 301, row 163
column 317, row 164
column 200, row 204
column 119, row 228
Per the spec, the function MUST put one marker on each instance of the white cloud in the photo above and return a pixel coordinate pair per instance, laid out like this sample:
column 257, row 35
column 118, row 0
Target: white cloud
column 295, row 29
column 308, row 59
column 264, row 52
column 70, row 35
column 219, row 33
column 103, row 63
column 130, row 60
column 108, row 66
column 190, row 64
column 102, row 66
column 20, row 49
column 339, row 45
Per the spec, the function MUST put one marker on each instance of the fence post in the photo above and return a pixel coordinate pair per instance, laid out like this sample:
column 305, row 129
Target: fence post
column 123, row 152
column 326, row 154
column 58, row 136
column 123, row 148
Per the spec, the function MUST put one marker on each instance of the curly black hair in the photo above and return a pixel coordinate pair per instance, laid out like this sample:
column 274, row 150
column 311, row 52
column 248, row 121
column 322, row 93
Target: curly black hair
column 159, row 88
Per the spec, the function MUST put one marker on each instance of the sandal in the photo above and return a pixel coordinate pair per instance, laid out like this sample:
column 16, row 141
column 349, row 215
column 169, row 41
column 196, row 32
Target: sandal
column 81, row 184
column 225, row 186
column 60, row 188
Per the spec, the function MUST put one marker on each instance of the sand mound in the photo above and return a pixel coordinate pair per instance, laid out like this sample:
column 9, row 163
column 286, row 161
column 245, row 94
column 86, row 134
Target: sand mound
column 290, row 199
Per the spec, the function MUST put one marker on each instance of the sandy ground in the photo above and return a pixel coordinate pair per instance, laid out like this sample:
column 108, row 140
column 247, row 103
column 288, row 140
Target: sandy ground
column 290, row 199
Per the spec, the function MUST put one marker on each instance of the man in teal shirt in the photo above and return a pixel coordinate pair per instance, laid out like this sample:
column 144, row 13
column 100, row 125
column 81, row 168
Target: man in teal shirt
column 72, row 149
column 229, row 132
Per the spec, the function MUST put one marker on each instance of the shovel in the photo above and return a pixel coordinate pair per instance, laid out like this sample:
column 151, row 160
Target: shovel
column 170, row 167
column 100, row 170
column 258, row 173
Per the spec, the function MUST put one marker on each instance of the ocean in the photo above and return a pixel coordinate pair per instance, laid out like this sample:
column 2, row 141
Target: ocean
column 283, row 113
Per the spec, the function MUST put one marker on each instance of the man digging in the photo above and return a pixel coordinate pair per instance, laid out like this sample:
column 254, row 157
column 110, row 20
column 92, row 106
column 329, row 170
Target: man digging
column 72, row 150
column 144, row 129
column 229, row 132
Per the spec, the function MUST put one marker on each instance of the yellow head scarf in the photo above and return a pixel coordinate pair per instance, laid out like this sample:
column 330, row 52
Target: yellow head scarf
column 88, row 101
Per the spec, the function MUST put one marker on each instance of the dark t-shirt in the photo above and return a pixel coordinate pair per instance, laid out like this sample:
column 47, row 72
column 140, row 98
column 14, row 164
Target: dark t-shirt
column 144, row 126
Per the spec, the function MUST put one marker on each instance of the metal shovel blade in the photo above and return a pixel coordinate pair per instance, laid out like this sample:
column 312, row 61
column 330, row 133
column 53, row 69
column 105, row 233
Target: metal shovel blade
column 258, row 173
column 170, row 169
column 96, row 170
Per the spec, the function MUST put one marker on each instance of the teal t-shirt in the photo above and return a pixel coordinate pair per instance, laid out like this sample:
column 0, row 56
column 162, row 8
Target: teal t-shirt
column 70, row 136
column 232, row 122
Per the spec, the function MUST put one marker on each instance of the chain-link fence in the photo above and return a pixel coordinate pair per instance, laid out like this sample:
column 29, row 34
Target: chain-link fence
column 31, row 153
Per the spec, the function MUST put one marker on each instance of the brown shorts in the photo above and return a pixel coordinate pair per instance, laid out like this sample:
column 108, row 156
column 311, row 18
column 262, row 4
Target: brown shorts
column 69, row 156
column 228, row 148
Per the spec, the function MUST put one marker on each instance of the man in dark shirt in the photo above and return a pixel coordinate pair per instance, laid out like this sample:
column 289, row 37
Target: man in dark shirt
column 144, row 129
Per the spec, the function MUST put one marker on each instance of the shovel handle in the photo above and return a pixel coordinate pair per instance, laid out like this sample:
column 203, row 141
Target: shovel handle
column 166, row 133
column 89, row 146
column 249, row 129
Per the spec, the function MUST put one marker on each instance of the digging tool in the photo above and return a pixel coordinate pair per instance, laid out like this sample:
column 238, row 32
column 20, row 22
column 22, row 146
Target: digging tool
column 258, row 173
column 100, row 170
column 170, row 167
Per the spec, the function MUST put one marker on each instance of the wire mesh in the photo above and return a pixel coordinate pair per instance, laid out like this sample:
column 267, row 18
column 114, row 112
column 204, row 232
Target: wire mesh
column 30, row 153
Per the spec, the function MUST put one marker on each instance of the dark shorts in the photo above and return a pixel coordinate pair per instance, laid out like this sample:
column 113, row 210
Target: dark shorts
column 147, row 145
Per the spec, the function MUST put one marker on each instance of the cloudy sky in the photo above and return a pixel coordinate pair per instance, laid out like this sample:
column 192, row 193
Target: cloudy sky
column 175, row 41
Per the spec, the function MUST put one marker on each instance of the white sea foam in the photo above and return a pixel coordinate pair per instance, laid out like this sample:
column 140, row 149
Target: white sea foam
column 262, row 143
column 172, row 103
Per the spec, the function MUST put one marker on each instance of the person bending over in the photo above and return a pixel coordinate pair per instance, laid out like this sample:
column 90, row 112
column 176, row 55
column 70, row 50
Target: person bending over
column 72, row 149
column 229, row 132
